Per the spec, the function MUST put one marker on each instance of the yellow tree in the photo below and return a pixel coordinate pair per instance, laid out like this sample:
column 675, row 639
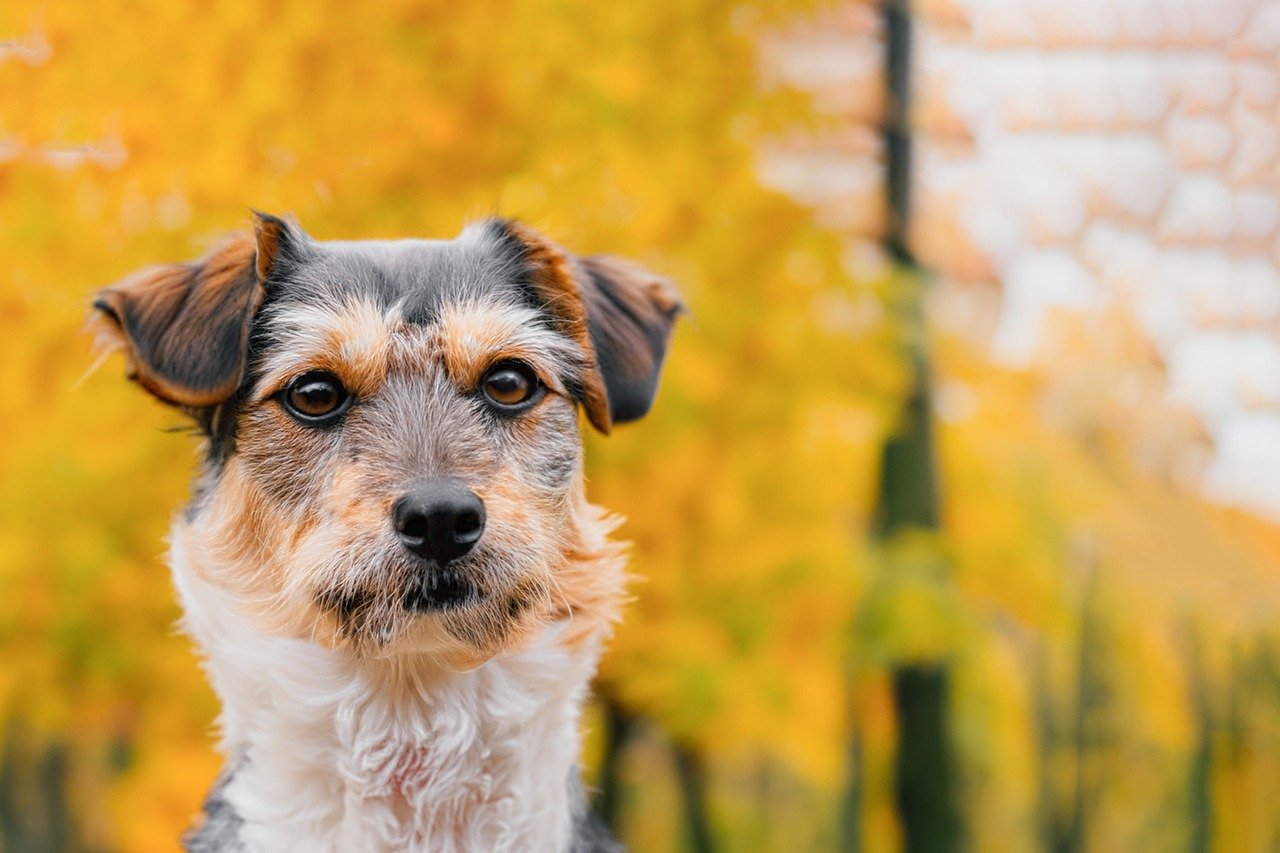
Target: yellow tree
column 616, row 128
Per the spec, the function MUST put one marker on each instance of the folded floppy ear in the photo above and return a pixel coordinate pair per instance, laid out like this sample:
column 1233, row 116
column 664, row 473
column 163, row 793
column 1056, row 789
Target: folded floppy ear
column 620, row 314
column 184, row 328
column 630, row 312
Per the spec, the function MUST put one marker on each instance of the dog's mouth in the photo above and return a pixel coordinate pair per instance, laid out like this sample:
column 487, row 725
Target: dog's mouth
column 438, row 588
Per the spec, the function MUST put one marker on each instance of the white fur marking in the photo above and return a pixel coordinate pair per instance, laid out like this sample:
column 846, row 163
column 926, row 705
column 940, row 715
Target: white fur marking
column 339, row 754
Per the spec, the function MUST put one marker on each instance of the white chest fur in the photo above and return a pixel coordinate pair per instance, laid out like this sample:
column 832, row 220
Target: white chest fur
column 335, row 755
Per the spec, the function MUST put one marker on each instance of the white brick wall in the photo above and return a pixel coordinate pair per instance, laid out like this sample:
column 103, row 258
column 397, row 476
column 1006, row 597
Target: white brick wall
column 1084, row 155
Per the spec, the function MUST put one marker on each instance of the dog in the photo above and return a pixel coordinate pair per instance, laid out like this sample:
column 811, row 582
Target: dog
column 398, row 586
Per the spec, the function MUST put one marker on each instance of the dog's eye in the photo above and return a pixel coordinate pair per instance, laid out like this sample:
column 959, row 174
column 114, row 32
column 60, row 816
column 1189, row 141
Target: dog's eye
column 315, row 396
column 511, row 385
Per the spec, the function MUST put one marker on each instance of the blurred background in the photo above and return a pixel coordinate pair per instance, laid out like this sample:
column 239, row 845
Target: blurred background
column 955, row 521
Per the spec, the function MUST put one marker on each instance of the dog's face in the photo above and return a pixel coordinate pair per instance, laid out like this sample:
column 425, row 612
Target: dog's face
column 394, row 457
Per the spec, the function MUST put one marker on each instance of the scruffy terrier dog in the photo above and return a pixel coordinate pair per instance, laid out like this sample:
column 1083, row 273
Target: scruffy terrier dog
column 389, row 562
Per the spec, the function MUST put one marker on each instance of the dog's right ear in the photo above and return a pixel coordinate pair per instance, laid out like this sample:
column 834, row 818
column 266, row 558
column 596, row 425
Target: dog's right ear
column 184, row 328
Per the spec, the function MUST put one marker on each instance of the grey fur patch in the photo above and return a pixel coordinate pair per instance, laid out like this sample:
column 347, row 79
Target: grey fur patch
column 220, row 831
column 590, row 834
column 419, row 275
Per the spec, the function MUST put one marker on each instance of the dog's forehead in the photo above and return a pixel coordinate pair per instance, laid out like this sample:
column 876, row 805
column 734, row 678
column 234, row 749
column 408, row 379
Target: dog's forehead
column 415, row 277
column 369, row 309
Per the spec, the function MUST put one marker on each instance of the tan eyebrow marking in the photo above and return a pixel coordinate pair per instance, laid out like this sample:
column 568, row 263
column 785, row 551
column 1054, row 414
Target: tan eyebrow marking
column 473, row 336
column 351, row 340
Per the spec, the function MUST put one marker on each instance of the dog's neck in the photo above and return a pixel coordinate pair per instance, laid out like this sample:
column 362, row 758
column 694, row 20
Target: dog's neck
column 327, row 752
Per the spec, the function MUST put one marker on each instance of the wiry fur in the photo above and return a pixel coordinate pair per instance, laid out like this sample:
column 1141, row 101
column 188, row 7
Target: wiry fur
column 353, row 718
column 339, row 752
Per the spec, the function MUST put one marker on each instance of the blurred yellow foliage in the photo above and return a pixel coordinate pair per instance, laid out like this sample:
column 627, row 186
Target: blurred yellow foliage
column 1101, row 625
column 134, row 133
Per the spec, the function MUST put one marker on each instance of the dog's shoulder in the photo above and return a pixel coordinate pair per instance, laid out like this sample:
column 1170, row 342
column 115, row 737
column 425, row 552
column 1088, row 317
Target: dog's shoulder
column 219, row 832
column 590, row 833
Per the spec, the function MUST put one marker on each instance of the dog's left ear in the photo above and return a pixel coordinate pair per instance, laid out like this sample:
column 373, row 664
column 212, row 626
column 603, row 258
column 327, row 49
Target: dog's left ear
column 620, row 314
column 630, row 313
column 184, row 328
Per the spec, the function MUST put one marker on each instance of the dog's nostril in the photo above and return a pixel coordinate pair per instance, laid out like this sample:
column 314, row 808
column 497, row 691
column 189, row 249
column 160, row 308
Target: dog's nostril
column 439, row 520
column 412, row 526
column 467, row 524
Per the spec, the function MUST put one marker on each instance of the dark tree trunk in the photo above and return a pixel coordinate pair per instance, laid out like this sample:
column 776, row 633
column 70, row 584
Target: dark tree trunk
column 693, row 787
column 608, row 800
column 924, row 774
column 925, row 784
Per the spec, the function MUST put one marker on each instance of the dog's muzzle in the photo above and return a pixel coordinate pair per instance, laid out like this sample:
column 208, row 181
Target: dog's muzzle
column 439, row 521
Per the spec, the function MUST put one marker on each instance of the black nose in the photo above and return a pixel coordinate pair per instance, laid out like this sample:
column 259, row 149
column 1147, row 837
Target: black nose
column 439, row 519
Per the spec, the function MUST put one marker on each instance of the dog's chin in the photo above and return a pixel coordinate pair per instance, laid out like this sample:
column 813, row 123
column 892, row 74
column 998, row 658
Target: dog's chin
column 463, row 611
column 438, row 589
column 458, row 636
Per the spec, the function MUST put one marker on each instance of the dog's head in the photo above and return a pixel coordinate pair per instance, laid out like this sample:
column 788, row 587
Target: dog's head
column 394, row 457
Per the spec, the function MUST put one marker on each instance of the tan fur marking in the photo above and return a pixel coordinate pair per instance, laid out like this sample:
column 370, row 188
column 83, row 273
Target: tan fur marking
column 645, row 297
column 592, row 580
column 353, row 342
column 268, row 234
column 471, row 339
column 240, row 530
column 555, row 277
column 354, row 505
column 163, row 316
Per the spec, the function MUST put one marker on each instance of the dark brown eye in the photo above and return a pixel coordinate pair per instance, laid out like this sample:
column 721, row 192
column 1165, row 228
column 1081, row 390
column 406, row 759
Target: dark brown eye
column 511, row 385
column 315, row 396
